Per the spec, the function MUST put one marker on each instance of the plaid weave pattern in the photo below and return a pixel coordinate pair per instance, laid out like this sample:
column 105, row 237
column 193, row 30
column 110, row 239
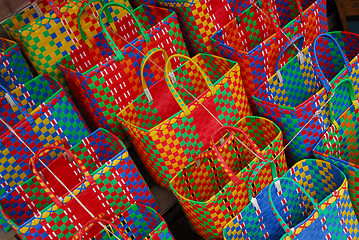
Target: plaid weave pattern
column 13, row 68
column 118, row 185
column 253, row 42
column 48, row 38
column 208, row 196
column 139, row 222
column 325, row 183
column 165, row 138
column 199, row 20
column 103, row 84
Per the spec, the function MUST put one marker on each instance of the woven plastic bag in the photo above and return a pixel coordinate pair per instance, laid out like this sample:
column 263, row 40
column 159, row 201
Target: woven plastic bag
column 256, row 36
column 311, row 202
column 13, row 67
column 106, row 76
column 48, row 30
column 216, row 186
column 136, row 222
column 102, row 179
column 294, row 98
column 53, row 117
column 168, row 127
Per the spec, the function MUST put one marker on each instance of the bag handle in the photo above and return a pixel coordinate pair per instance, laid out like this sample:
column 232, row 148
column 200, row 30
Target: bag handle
column 143, row 64
column 227, row 170
column 284, row 225
column 298, row 37
column 326, row 84
column 175, row 94
column 353, row 99
column 69, row 156
column 85, row 4
column 85, row 228
column 13, row 102
column 53, row 6
column 109, row 39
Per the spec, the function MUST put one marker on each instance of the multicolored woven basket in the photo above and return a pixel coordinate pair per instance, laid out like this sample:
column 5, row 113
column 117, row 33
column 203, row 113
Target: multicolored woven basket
column 219, row 183
column 106, row 77
column 49, row 211
column 13, row 67
column 311, row 201
column 169, row 127
column 49, row 31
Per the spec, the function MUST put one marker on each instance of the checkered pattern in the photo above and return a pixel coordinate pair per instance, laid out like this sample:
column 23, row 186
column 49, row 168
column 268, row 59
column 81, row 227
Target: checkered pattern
column 199, row 20
column 13, row 68
column 55, row 118
column 103, row 84
column 137, row 3
column 46, row 39
column 251, row 40
column 205, row 191
column 137, row 222
column 165, row 138
column 118, row 185
column 324, row 182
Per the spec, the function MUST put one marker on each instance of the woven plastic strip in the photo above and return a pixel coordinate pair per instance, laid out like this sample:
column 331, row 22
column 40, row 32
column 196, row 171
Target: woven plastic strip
column 251, row 39
column 103, row 83
column 215, row 188
column 54, row 118
column 118, row 185
column 294, row 96
column 47, row 38
column 296, row 210
column 13, row 67
column 168, row 135
column 136, row 222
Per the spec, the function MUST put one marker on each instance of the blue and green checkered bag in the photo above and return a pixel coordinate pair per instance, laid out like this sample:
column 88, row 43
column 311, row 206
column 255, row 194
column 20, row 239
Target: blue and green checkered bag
column 13, row 67
column 310, row 201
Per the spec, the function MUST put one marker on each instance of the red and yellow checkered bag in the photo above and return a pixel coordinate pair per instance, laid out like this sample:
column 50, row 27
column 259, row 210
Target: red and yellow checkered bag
column 46, row 31
column 221, row 181
column 169, row 127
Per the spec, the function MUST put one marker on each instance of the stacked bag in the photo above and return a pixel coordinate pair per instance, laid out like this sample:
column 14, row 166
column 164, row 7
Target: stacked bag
column 226, row 104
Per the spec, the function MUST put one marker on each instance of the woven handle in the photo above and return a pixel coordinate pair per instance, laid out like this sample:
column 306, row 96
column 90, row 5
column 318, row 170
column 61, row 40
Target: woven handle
column 85, row 4
column 175, row 94
column 48, row 191
column 53, row 6
column 110, row 41
column 284, row 225
column 143, row 64
column 227, row 170
column 298, row 37
column 326, row 84
column 85, row 228
column 23, row 111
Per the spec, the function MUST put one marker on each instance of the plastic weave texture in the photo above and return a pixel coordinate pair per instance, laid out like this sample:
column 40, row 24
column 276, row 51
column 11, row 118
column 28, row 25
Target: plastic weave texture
column 103, row 84
column 208, row 196
column 329, row 189
column 45, row 39
column 251, row 39
column 118, row 184
column 165, row 137
column 13, row 68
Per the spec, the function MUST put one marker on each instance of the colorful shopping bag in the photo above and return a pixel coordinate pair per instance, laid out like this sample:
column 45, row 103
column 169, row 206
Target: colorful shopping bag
column 49, row 30
column 137, row 3
column 103, row 181
column 106, row 77
column 136, row 222
column 199, row 20
column 254, row 40
column 13, row 67
column 293, row 97
column 171, row 123
column 215, row 187
column 311, row 202
column 53, row 117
